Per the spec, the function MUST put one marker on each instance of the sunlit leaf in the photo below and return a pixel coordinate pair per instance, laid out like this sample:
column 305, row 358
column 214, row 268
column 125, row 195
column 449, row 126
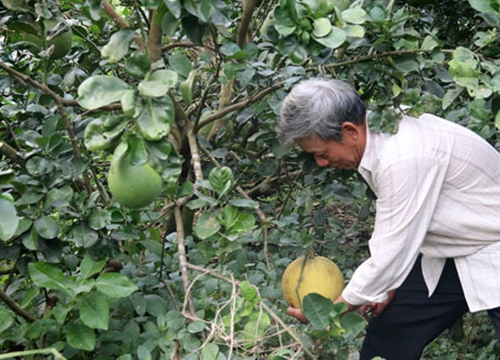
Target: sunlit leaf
column 354, row 16
column 206, row 225
column 49, row 276
column 334, row 39
column 118, row 45
column 155, row 119
column 321, row 27
column 101, row 90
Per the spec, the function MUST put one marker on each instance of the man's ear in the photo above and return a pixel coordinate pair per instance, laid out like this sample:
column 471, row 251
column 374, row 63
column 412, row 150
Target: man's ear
column 351, row 130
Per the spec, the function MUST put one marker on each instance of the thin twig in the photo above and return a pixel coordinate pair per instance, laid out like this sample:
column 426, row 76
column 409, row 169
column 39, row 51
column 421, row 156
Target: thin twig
column 271, row 313
column 183, row 264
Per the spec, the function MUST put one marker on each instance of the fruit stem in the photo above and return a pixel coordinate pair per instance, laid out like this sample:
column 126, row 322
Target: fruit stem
column 310, row 254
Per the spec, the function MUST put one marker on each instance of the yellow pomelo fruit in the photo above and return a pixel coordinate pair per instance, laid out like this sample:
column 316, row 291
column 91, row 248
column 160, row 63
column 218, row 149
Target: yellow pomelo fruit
column 319, row 275
column 133, row 186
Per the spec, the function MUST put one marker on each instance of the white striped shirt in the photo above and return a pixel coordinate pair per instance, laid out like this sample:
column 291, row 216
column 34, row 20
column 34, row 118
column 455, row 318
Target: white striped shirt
column 438, row 193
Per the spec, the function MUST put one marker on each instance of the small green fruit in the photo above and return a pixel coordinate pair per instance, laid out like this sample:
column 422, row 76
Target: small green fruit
column 133, row 186
column 62, row 43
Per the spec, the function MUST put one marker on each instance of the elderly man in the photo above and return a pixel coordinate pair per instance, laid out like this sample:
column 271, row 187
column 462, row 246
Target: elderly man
column 435, row 248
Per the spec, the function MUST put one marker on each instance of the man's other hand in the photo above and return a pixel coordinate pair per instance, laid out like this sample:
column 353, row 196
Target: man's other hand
column 298, row 314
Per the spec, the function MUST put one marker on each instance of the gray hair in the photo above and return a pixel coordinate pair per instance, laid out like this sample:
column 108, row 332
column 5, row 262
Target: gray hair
column 319, row 107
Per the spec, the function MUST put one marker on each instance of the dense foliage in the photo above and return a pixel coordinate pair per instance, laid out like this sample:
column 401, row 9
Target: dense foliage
column 191, row 90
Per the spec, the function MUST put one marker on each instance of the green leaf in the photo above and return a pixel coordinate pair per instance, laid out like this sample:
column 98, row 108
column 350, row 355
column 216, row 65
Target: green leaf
column 95, row 9
column 94, row 311
column 206, row 225
column 80, row 337
column 139, row 303
column 255, row 328
column 47, row 227
column 209, row 352
column 356, row 31
column 354, row 16
column 317, row 310
column 154, row 121
column 158, row 83
column 321, row 27
column 6, row 319
column 39, row 327
column 244, row 223
column 59, row 197
column 101, row 133
column 483, row 6
column 244, row 203
column 353, row 323
column 115, row 285
column 30, row 239
column 156, row 305
column 497, row 120
column 137, row 150
column 268, row 168
column 186, row 87
column 101, row 90
column 229, row 215
column 83, row 235
column 51, row 249
column 99, row 218
column 174, row 6
column 285, row 30
column 221, row 179
column 89, row 267
column 248, row 291
column 181, row 64
column 118, row 45
column 6, row 176
column 49, row 276
column 196, row 326
column 8, row 217
column 334, row 39
column 138, row 65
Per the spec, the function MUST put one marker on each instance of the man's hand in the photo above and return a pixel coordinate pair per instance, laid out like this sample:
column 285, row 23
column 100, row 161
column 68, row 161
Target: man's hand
column 375, row 309
column 298, row 314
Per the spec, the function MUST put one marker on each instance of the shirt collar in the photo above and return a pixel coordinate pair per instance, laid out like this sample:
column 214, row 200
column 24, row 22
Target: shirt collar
column 368, row 159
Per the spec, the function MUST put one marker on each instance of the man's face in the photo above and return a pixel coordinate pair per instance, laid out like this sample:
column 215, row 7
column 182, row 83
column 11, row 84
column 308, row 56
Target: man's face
column 345, row 155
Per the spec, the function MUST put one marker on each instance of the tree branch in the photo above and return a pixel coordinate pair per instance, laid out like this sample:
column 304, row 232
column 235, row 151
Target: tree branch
column 275, row 317
column 119, row 21
column 154, row 39
column 183, row 263
column 240, row 105
column 15, row 307
column 60, row 107
column 246, row 18
column 11, row 153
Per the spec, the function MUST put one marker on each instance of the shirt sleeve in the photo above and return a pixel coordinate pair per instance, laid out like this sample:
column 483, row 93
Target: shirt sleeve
column 407, row 192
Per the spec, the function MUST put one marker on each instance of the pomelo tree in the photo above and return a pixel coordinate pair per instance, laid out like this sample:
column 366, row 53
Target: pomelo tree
column 189, row 91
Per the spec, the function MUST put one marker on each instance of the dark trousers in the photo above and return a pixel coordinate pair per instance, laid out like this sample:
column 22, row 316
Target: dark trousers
column 412, row 320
